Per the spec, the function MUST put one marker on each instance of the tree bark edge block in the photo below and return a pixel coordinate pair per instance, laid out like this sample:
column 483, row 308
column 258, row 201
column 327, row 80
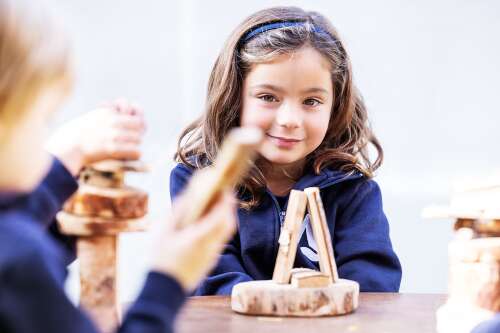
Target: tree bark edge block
column 268, row 298
column 125, row 203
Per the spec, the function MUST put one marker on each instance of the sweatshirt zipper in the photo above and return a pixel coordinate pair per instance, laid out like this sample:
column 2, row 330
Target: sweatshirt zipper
column 281, row 214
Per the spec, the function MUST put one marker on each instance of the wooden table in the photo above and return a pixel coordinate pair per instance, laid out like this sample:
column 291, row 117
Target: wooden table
column 377, row 312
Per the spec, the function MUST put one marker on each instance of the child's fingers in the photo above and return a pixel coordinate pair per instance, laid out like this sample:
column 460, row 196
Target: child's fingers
column 124, row 151
column 130, row 122
column 137, row 110
column 127, row 136
column 123, row 106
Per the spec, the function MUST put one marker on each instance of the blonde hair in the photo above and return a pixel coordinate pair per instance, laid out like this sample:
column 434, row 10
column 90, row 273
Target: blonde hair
column 345, row 146
column 34, row 54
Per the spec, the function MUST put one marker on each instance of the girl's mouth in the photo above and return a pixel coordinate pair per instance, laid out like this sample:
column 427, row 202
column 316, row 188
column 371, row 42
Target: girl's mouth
column 283, row 142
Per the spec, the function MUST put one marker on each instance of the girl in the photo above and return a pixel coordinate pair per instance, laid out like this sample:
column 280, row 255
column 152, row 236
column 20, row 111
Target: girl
column 286, row 71
column 35, row 76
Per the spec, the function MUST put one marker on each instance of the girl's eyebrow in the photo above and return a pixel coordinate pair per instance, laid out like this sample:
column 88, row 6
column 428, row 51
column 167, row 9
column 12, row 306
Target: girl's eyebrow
column 315, row 90
column 279, row 89
column 268, row 86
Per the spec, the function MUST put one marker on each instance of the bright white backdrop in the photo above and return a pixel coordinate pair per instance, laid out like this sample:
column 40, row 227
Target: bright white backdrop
column 429, row 71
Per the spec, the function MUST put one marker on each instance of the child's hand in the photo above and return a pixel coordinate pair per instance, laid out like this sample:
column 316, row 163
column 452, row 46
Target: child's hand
column 114, row 131
column 190, row 253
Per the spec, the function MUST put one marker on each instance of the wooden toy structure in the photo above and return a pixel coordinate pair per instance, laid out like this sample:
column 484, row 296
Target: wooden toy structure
column 299, row 291
column 101, row 209
column 474, row 256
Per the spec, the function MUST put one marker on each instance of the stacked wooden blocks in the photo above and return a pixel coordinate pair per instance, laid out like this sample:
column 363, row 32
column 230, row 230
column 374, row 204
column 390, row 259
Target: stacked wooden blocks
column 101, row 209
column 474, row 257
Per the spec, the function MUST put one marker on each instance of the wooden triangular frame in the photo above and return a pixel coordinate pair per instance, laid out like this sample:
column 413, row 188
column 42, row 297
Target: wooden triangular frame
column 284, row 273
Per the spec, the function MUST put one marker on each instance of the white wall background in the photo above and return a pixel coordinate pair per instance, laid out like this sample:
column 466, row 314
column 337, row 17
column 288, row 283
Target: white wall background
column 429, row 70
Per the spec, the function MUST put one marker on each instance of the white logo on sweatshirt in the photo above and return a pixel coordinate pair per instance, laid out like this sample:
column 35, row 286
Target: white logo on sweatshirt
column 310, row 251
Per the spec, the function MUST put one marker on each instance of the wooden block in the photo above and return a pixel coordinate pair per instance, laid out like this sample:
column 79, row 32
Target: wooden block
column 446, row 212
column 120, row 166
column 474, row 250
column 309, row 279
column 480, row 227
column 87, row 226
column 321, row 233
column 272, row 299
column 101, row 179
column 126, row 202
column 475, row 284
column 289, row 236
column 232, row 163
column 98, row 295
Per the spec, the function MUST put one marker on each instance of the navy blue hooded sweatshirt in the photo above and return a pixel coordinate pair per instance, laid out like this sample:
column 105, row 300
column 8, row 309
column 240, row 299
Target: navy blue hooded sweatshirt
column 357, row 223
column 33, row 269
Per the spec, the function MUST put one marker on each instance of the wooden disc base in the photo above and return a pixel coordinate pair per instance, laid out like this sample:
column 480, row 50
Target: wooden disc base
column 460, row 318
column 272, row 299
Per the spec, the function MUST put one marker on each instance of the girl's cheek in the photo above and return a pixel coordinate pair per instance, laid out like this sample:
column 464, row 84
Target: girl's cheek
column 257, row 117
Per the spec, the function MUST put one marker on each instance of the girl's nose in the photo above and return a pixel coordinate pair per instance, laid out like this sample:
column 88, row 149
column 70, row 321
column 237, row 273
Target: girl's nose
column 288, row 116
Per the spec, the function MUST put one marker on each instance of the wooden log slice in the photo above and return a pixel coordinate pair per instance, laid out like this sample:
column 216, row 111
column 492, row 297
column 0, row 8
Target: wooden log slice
column 475, row 284
column 87, row 226
column 481, row 227
column 475, row 250
column 126, row 202
column 268, row 298
column 474, row 273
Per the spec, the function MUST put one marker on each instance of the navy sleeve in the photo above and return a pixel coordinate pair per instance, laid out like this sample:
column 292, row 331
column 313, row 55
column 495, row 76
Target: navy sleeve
column 156, row 307
column 46, row 201
column 490, row 326
column 229, row 269
column 228, row 272
column 362, row 244
column 48, row 198
column 33, row 300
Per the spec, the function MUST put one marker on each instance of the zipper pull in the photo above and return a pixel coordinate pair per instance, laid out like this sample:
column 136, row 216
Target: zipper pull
column 282, row 218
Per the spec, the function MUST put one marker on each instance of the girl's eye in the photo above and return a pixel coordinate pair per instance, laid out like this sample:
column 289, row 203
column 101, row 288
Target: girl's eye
column 312, row 102
column 268, row 98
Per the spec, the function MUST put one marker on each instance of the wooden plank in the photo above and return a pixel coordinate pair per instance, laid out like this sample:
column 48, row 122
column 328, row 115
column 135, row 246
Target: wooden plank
column 308, row 278
column 98, row 294
column 232, row 163
column 289, row 236
column 321, row 233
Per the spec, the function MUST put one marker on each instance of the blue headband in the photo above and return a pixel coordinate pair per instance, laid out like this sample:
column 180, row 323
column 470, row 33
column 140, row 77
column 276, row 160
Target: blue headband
column 279, row 25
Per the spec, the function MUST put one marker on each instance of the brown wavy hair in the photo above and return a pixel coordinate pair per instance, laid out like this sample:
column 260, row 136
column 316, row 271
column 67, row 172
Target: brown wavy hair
column 345, row 146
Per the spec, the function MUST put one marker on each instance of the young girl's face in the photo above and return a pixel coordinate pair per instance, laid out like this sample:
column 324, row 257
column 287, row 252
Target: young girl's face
column 290, row 98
